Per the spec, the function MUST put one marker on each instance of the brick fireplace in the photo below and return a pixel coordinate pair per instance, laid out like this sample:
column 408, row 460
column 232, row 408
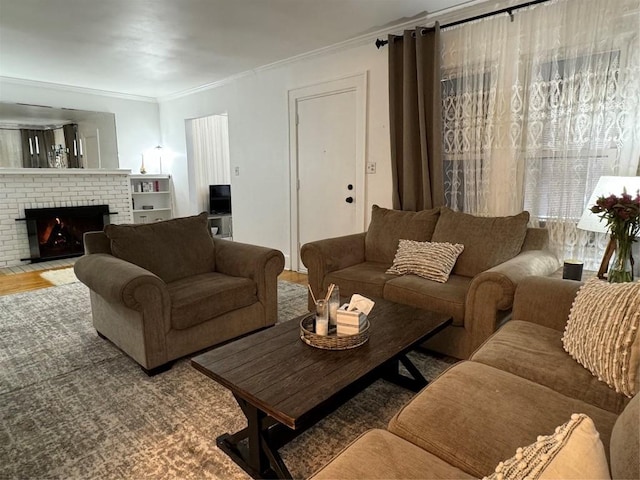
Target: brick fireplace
column 29, row 189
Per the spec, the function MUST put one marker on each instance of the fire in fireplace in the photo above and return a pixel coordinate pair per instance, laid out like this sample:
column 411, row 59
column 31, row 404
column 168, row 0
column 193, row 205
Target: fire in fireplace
column 57, row 232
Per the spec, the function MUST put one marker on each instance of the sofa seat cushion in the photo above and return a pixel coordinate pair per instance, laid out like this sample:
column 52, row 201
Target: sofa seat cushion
column 535, row 352
column 497, row 411
column 488, row 241
column 418, row 292
column 378, row 454
column 196, row 299
column 388, row 227
column 367, row 278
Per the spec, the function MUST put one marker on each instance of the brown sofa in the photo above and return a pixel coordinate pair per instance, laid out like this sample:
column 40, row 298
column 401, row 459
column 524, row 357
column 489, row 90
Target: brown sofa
column 519, row 384
column 164, row 290
column 498, row 254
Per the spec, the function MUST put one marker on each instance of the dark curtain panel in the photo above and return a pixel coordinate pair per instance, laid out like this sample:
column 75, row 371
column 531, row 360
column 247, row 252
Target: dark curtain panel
column 35, row 152
column 70, row 136
column 416, row 119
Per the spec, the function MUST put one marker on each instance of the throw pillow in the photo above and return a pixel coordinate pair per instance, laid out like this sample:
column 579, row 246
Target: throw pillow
column 433, row 261
column 387, row 227
column 172, row 249
column 573, row 451
column 602, row 332
column 488, row 241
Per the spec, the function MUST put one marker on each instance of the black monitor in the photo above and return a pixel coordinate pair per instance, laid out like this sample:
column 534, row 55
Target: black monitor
column 220, row 199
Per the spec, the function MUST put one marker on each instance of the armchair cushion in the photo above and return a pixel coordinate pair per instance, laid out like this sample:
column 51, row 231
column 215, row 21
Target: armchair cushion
column 387, row 227
column 172, row 249
column 196, row 299
column 488, row 241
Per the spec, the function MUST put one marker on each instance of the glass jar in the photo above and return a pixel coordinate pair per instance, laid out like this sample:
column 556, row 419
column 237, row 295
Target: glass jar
column 322, row 317
column 334, row 305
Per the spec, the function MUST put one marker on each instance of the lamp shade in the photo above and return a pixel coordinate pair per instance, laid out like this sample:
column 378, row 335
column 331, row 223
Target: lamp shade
column 606, row 186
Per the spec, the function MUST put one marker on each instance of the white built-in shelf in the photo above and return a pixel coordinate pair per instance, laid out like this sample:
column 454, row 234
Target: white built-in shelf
column 160, row 197
column 151, row 193
column 148, row 210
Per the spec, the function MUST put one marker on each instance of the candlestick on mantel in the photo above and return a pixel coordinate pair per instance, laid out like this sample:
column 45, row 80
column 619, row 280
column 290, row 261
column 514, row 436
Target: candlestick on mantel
column 142, row 169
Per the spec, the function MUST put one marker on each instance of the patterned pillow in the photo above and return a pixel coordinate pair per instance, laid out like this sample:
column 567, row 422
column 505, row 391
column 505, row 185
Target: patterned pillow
column 433, row 261
column 602, row 332
column 574, row 450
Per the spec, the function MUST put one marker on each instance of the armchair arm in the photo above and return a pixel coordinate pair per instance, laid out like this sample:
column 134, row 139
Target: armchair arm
column 494, row 290
column 261, row 264
column 545, row 301
column 119, row 281
column 324, row 256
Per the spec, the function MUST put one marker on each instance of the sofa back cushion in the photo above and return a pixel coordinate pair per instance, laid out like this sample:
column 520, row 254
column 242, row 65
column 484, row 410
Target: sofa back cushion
column 172, row 249
column 488, row 241
column 387, row 227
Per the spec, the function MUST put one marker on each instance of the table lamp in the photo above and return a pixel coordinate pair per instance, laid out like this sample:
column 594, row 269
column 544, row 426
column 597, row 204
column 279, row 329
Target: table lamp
column 592, row 222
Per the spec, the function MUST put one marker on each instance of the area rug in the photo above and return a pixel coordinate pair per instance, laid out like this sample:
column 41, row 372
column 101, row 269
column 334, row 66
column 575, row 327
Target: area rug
column 61, row 276
column 72, row 406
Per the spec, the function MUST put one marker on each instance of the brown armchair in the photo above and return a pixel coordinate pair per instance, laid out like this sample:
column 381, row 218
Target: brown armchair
column 164, row 290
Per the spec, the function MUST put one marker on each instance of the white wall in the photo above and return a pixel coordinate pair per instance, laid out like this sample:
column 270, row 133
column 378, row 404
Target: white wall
column 259, row 138
column 137, row 120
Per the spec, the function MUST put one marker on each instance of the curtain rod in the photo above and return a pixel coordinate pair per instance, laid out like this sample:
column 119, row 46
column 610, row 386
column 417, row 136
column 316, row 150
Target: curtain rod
column 380, row 43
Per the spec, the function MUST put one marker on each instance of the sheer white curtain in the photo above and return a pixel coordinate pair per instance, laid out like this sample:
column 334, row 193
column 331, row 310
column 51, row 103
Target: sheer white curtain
column 210, row 136
column 537, row 109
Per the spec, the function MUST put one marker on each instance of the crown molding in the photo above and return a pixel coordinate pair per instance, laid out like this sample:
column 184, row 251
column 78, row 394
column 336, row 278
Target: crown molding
column 367, row 38
column 71, row 88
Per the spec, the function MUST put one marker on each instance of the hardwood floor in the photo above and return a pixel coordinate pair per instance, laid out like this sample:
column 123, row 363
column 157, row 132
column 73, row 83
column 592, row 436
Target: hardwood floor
column 24, row 282
column 294, row 277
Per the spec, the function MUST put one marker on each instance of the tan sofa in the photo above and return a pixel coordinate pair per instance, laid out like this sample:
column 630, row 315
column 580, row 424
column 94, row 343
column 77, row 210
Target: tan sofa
column 164, row 290
column 498, row 254
column 518, row 385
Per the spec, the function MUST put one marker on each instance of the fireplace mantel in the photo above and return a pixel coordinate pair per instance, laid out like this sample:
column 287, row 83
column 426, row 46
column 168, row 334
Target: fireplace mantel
column 62, row 171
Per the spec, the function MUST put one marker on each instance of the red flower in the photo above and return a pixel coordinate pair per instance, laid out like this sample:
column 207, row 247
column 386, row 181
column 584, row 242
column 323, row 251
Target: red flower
column 622, row 214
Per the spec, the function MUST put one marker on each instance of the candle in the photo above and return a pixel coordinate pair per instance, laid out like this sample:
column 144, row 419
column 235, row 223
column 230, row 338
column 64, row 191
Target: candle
column 30, row 146
column 37, row 146
column 80, row 142
column 75, row 148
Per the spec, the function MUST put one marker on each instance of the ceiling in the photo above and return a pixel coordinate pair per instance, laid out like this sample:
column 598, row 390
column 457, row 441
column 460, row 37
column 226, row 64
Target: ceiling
column 155, row 48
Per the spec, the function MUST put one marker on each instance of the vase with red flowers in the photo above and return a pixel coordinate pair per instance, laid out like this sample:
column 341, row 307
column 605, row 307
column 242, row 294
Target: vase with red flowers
column 622, row 214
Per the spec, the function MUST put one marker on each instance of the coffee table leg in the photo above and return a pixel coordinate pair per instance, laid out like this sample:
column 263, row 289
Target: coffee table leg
column 250, row 447
column 392, row 374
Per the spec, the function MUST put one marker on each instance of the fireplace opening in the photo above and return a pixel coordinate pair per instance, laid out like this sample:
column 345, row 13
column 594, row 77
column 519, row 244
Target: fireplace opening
column 57, row 232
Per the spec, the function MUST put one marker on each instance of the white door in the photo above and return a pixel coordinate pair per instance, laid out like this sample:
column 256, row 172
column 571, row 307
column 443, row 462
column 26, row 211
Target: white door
column 327, row 161
column 327, row 193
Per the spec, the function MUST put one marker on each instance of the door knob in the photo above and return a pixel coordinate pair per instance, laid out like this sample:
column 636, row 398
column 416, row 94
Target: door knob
column 349, row 187
column 349, row 200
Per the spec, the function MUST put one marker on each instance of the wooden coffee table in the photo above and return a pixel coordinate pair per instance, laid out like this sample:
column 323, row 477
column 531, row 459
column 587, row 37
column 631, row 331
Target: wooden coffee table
column 284, row 386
